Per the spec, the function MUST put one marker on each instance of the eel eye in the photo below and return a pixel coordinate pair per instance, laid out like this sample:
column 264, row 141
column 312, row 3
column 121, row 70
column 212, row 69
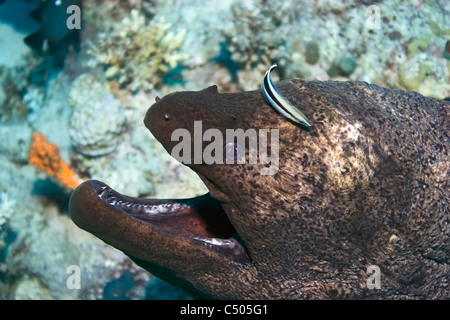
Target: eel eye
column 233, row 151
column 167, row 116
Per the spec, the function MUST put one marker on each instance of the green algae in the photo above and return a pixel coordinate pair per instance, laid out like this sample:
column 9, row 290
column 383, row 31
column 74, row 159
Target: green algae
column 414, row 82
column 312, row 52
column 421, row 43
column 342, row 66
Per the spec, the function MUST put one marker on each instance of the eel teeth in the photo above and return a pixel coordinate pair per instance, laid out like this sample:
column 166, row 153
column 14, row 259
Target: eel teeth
column 111, row 198
column 279, row 103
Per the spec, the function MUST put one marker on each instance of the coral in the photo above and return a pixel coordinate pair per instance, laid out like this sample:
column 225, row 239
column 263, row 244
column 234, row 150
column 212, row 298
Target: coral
column 159, row 290
column 412, row 83
column 12, row 106
column 252, row 37
column 30, row 288
column 15, row 141
column 97, row 119
column 437, row 30
column 342, row 66
column 394, row 35
column 16, row 63
column 420, row 43
column 224, row 58
column 6, row 208
column 94, row 12
column 45, row 156
column 347, row 66
column 118, row 289
column 138, row 54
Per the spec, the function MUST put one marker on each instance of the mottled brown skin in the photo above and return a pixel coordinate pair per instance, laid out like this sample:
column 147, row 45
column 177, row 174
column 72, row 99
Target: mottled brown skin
column 368, row 184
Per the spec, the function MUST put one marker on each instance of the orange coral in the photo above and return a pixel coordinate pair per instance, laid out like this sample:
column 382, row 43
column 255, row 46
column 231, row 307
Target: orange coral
column 45, row 156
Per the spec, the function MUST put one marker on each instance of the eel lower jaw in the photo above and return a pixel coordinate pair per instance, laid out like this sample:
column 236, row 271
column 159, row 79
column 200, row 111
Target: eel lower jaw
column 200, row 221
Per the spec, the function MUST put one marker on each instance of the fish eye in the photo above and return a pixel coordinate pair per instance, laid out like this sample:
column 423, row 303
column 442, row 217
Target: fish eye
column 233, row 151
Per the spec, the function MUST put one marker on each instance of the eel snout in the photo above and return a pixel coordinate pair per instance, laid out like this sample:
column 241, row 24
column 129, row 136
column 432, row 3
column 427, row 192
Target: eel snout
column 130, row 223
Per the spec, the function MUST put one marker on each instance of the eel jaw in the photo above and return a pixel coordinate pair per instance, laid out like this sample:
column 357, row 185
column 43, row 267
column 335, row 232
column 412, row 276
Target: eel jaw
column 155, row 230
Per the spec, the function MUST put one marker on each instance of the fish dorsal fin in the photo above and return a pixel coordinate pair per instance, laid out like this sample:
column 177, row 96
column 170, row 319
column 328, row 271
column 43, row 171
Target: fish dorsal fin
column 211, row 89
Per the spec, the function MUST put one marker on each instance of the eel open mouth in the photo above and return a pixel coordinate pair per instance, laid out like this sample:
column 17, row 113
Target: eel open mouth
column 200, row 219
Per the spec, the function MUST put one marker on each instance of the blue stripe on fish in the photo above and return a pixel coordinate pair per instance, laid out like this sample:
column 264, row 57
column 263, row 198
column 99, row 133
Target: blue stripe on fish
column 279, row 103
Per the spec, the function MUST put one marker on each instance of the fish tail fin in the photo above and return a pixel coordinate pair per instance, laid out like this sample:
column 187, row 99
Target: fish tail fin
column 35, row 41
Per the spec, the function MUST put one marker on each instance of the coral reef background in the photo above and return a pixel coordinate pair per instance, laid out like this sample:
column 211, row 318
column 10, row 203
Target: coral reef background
column 91, row 109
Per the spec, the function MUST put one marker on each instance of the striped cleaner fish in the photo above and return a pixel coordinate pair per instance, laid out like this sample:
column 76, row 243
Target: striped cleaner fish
column 279, row 103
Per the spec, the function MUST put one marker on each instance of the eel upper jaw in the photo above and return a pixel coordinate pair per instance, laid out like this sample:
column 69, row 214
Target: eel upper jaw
column 197, row 223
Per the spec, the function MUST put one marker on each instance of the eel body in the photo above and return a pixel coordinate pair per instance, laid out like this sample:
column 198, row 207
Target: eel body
column 357, row 208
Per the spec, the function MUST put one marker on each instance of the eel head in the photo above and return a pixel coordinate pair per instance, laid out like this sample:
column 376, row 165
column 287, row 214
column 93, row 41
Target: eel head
column 304, row 217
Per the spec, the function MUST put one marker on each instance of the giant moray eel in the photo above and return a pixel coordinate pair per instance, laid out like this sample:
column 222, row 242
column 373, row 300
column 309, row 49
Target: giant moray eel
column 366, row 185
